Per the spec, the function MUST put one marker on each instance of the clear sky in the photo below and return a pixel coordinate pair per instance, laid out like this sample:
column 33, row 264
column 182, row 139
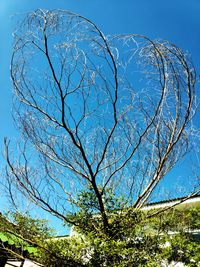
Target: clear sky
column 175, row 20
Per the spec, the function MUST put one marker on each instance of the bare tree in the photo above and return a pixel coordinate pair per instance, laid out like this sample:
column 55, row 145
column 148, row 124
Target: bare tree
column 96, row 112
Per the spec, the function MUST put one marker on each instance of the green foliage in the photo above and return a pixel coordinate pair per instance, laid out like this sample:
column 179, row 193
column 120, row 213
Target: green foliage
column 182, row 247
column 177, row 219
column 29, row 227
column 88, row 217
column 23, row 235
column 135, row 238
column 87, row 201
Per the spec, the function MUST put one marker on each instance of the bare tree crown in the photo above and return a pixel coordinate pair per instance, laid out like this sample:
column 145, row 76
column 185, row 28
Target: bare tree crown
column 98, row 111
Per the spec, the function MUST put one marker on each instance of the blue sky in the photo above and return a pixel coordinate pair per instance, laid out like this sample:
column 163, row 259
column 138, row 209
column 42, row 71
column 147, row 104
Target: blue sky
column 175, row 20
